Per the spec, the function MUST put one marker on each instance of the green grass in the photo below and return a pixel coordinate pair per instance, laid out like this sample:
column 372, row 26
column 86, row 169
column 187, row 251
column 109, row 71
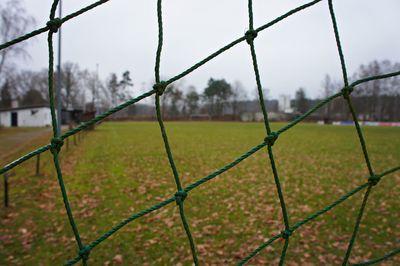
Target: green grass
column 17, row 139
column 121, row 168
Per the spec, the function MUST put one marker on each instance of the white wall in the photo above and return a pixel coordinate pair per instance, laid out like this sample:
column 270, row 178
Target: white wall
column 284, row 103
column 5, row 118
column 31, row 117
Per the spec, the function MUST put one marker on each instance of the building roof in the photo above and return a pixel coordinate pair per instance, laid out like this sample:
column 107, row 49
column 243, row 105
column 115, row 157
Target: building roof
column 24, row 107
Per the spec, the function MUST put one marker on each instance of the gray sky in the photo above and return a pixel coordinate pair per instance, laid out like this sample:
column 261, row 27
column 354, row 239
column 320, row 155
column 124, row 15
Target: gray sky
column 122, row 35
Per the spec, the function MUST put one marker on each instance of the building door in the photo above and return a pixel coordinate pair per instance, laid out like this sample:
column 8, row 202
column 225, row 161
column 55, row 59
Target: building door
column 14, row 119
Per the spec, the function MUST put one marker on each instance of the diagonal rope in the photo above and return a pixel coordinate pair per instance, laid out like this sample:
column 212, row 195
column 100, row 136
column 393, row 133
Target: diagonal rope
column 346, row 94
column 56, row 142
column 180, row 195
column 250, row 35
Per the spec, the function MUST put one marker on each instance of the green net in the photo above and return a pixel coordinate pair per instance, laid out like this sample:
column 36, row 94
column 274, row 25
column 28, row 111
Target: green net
column 182, row 192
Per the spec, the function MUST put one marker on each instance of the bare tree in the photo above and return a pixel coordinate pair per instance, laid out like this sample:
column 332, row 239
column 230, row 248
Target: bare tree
column 255, row 96
column 32, row 97
column 112, row 87
column 119, row 90
column 5, row 95
column 176, row 97
column 192, row 99
column 71, row 86
column 379, row 97
column 126, row 82
column 14, row 22
column 27, row 80
column 238, row 95
column 327, row 90
column 95, row 90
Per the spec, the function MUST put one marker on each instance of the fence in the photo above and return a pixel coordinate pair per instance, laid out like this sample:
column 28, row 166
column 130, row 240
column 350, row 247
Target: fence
column 182, row 192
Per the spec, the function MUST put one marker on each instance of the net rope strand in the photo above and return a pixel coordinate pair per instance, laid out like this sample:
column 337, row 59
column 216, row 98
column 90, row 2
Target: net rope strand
column 271, row 136
column 56, row 142
column 180, row 195
column 347, row 91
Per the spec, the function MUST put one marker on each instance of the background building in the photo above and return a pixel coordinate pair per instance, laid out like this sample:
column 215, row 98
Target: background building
column 284, row 104
column 33, row 116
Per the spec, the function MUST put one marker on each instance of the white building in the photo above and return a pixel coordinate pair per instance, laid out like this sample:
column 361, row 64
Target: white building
column 259, row 117
column 33, row 116
column 284, row 104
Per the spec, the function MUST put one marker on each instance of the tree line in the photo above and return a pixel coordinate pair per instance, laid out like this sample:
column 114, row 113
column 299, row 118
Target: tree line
column 219, row 98
column 80, row 89
column 377, row 100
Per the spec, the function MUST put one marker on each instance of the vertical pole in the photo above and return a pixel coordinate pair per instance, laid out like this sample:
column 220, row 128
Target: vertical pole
column 58, row 90
column 38, row 164
column 97, row 90
column 6, row 190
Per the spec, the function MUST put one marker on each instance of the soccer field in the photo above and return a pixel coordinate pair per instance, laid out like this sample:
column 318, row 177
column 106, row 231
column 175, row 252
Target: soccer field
column 121, row 168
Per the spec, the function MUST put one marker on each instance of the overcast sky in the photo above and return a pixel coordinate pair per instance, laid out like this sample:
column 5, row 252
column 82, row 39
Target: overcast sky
column 122, row 35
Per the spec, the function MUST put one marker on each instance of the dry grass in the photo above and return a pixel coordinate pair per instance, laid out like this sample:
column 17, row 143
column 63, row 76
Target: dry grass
column 121, row 168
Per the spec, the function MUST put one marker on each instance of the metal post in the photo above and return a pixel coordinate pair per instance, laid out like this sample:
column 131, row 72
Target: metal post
column 58, row 90
column 6, row 190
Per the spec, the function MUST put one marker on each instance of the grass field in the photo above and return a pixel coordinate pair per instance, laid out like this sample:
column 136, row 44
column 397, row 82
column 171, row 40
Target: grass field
column 16, row 139
column 121, row 168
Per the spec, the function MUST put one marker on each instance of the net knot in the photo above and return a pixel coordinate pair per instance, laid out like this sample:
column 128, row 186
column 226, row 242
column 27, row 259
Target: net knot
column 374, row 180
column 271, row 138
column 250, row 36
column 180, row 196
column 346, row 91
column 286, row 233
column 84, row 252
column 56, row 144
column 54, row 24
column 160, row 87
